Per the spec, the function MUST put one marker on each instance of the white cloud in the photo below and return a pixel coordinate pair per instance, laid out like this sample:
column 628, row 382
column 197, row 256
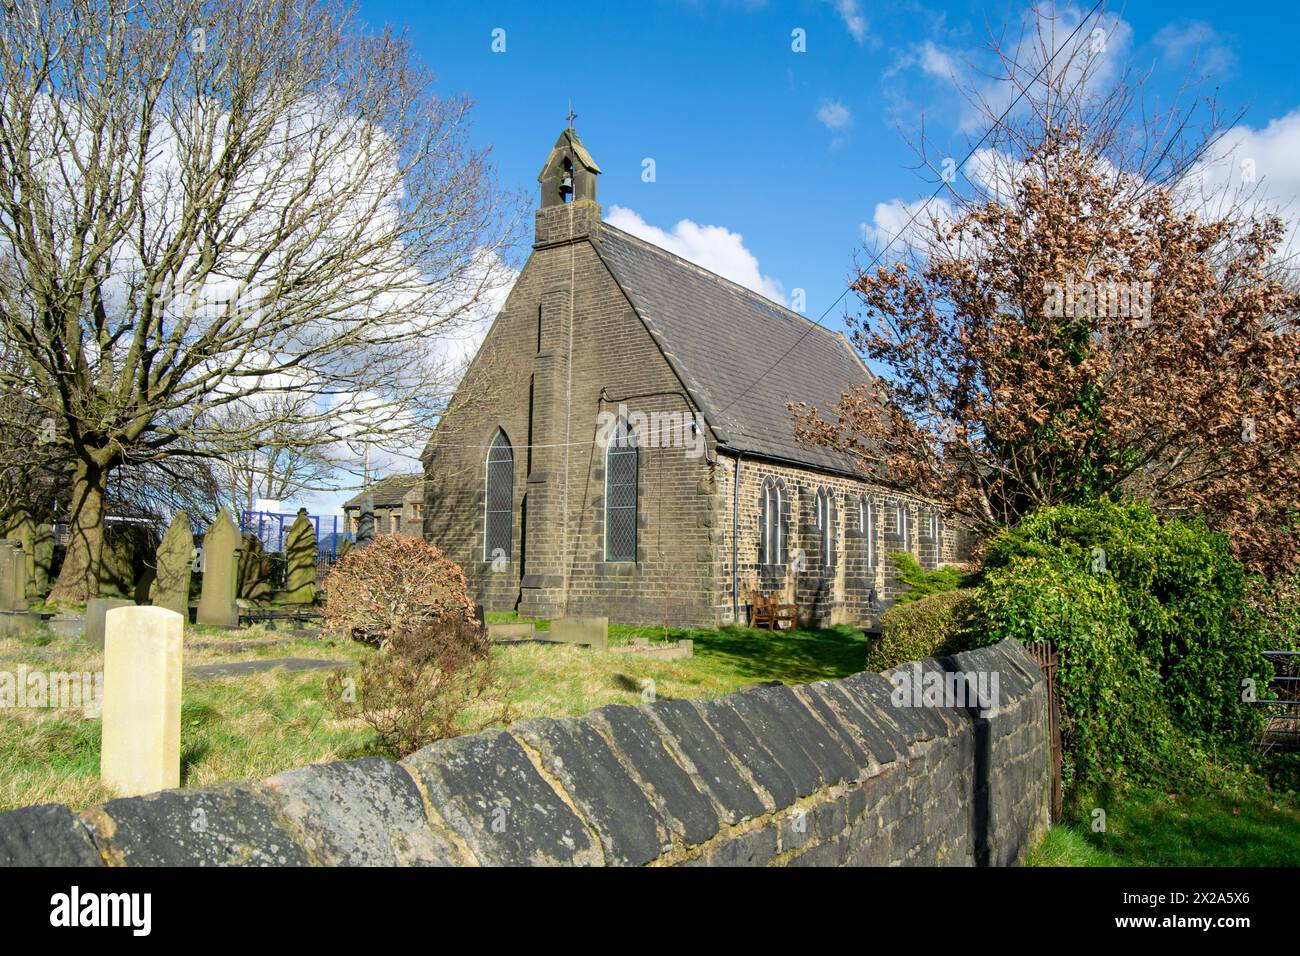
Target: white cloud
column 1096, row 55
column 1257, row 166
column 850, row 12
column 837, row 118
column 834, row 115
column 716, row 248
column 1194, row 41
column 905, row 222
column 937, row 62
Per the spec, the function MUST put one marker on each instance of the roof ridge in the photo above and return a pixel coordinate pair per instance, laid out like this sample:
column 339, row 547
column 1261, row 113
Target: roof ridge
column 744, row 289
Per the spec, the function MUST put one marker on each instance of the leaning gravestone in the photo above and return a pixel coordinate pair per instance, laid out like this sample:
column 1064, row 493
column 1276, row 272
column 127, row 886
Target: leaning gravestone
column 171, row 585
column 96, row 614
column 366, row 523
column 300, row 555
column 220, row 573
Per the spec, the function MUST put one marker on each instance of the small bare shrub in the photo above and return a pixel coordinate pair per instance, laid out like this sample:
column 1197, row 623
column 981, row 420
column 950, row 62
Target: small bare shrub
column 431, row 680
column 393, row 584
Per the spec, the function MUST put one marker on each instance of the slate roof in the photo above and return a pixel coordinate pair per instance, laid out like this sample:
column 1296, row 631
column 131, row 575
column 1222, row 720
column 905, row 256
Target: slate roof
column 387, row 492
column 722, row 338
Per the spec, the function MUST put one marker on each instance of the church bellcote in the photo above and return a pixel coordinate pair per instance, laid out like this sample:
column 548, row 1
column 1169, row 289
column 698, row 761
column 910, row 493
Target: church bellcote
column 568, row 209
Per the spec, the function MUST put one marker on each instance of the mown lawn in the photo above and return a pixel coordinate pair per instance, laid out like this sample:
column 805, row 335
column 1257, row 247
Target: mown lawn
column 257, row 725
column 1151, row 828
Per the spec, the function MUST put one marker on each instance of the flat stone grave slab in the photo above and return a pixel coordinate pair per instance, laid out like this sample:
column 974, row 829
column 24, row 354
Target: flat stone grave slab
column 67, row 625
column 18, row 623
column 591, row 631
column 641, row 647
column 235, row 647
column 522, row 630
column 298, row 633
column 242, row 668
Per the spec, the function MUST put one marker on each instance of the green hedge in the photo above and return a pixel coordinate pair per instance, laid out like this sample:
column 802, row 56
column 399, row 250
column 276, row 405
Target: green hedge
column 922, row 583
column 1114, row 720
column 934, row 625
column 1183, row 596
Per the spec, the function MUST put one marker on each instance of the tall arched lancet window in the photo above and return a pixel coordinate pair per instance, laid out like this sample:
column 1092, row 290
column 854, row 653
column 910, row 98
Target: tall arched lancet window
column 867, row 525
column 770, row 531
column 902, row 526
column 621, row 467
column 826, row 525
column 499, row 500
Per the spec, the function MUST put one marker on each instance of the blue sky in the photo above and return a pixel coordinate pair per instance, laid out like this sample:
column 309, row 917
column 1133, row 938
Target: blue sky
column 788, row 156
column 714, row 94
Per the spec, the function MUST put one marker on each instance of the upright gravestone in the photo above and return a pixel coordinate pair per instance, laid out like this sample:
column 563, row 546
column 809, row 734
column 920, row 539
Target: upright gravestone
column 366, row 523
column 97, row 617
column 300, row 557
column 13, row 576
column 171, row 584
column 28, row 534
column 43, row 559
column 254, row 570
column 140, row 745
column 220, row 572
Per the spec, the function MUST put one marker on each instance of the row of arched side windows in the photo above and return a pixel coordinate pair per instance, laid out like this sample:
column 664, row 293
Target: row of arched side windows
column 622, row 474
column 865, row 514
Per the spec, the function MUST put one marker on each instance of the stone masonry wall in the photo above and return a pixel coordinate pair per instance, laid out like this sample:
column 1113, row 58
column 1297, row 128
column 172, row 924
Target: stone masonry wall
column 844, row 592
column 829, row 773
column 558, row 540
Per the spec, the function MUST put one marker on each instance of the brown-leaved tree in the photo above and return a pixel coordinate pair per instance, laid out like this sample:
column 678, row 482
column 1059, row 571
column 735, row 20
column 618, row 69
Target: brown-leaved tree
column 1077, row 318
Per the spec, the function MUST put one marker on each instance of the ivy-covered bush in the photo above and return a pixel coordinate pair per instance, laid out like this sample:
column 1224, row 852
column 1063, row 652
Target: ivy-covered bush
column 1276, row 606
column 921, row 583
column 929, row 627
column 1183, row 594
column 1115, row 722
column 393, row 583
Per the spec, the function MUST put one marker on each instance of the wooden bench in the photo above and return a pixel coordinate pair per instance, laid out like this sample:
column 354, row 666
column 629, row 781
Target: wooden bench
column 768, row 610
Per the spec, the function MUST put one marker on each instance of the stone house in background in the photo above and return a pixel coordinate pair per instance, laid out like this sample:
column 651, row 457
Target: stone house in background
column 621, row 443
column 398, row 503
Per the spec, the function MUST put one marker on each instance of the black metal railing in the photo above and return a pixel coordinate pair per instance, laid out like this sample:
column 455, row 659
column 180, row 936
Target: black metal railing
column 1281, row 704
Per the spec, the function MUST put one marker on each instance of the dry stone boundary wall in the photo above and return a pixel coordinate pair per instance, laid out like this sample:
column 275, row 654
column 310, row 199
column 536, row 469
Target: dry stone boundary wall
column 828, row 773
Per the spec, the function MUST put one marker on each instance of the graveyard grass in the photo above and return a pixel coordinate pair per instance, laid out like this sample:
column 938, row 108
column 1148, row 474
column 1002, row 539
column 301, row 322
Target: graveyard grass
column 1224, row 827
column 257, row 725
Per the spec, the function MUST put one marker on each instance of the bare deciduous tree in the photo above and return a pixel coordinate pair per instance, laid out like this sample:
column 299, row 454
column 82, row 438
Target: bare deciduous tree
column 210, row 209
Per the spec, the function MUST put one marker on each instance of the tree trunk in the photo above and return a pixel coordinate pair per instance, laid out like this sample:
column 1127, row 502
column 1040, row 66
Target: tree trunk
column 79, row 578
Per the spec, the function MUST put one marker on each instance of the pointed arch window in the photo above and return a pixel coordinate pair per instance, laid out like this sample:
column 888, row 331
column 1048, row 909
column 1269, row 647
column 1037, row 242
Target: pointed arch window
column 499, row 499
column 771, row 534
column 622, row 460
column 826, row 525
column 902, row 526
column 867, row 525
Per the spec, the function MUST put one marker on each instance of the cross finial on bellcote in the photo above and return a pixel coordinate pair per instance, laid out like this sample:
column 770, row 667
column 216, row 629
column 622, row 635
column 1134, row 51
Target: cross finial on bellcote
column 572, row 115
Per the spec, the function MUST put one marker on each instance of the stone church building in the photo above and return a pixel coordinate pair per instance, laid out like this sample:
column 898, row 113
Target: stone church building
column 621, row 444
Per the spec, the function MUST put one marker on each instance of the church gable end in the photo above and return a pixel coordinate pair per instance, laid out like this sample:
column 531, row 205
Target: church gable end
column 604, row 337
